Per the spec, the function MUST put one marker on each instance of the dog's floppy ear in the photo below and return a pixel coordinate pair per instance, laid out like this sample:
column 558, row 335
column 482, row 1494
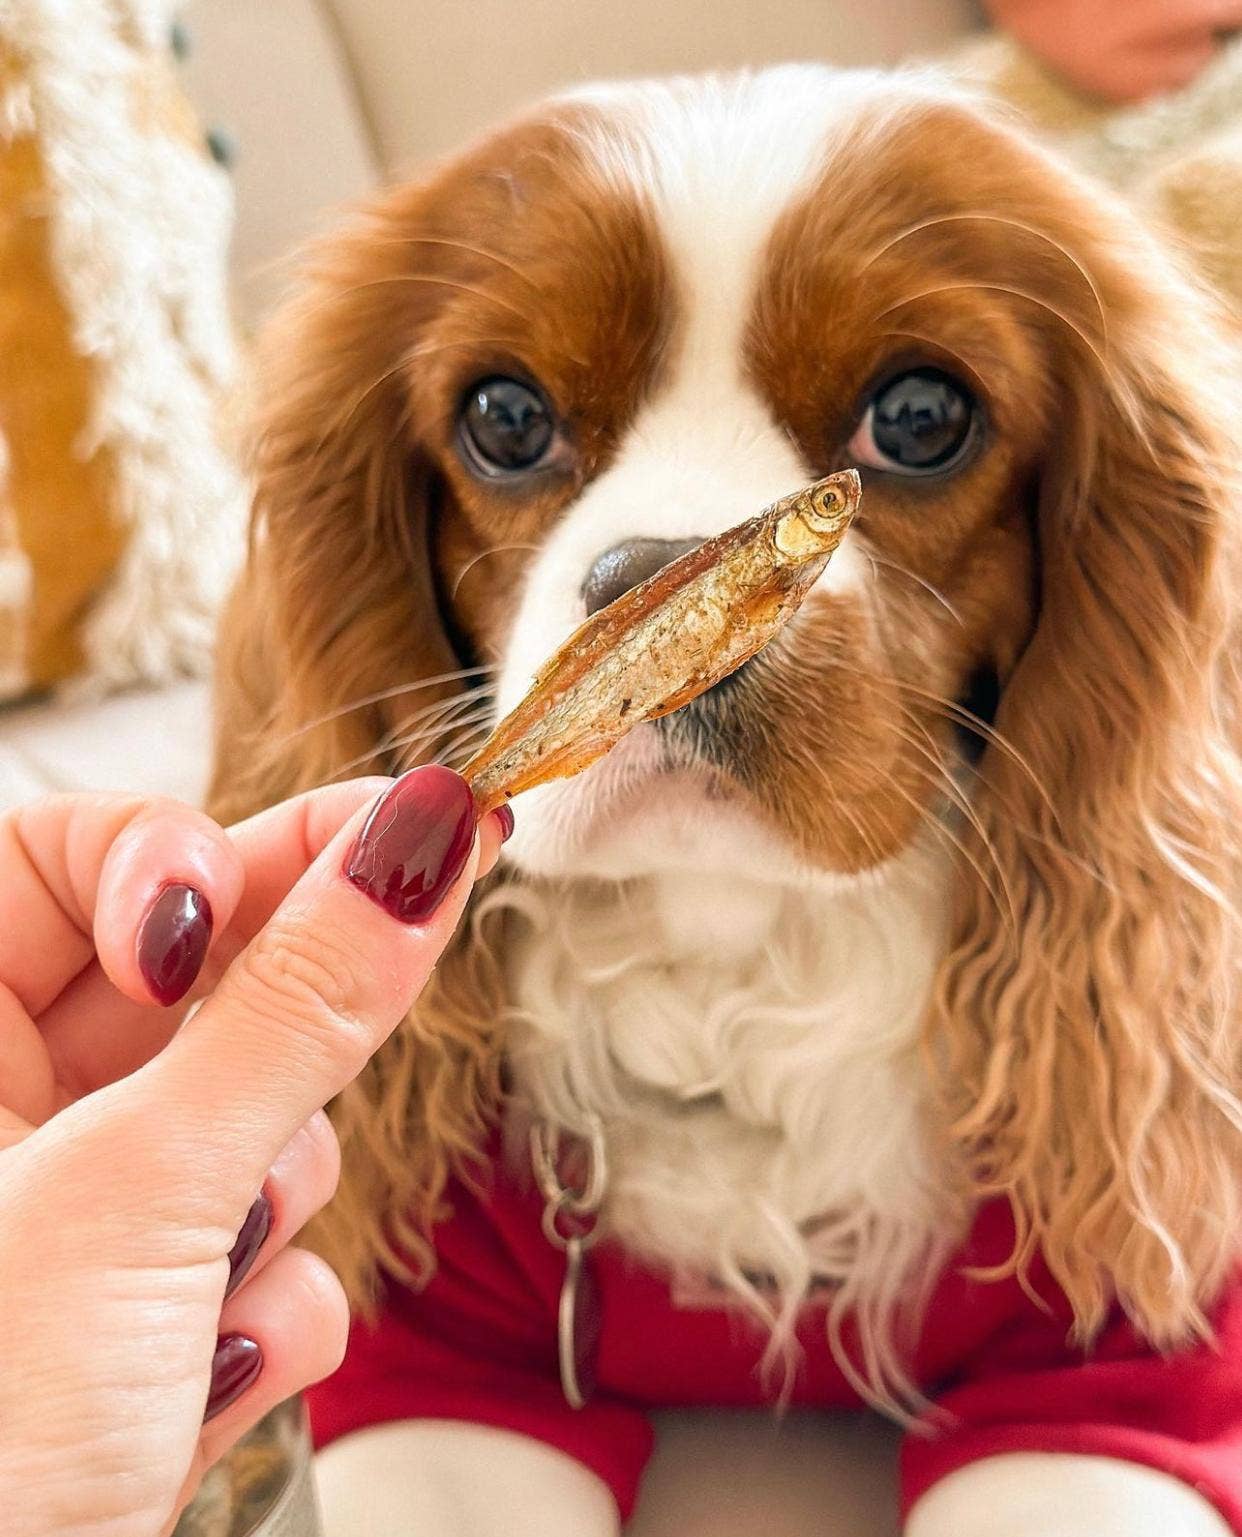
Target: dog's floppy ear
column 337, row 601
column 1086, row 1023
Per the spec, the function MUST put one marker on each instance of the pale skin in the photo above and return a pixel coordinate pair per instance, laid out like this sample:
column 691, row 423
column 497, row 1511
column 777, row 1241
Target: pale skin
column 1121, row 52
column 131, row 1152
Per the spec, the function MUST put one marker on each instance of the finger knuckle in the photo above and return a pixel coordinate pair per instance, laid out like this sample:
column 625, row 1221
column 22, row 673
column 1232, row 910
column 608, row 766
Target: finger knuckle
column 310, row 986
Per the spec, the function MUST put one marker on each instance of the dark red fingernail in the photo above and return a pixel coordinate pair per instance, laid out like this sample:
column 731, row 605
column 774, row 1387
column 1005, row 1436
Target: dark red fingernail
column 236, row 1363
column 250, row 1240
column 504, row 815
column 415, row 843
column 172, row 942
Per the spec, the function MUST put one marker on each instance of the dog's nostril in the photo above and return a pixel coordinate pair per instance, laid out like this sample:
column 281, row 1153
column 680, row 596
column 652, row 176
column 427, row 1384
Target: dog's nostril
column 627, row 564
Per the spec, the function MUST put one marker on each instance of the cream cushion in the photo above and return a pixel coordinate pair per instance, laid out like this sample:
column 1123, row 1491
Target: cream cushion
column 435, row 74
column 273, row 76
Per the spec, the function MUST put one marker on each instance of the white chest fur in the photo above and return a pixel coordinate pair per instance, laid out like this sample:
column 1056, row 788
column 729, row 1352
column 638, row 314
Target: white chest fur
column 751, row 1052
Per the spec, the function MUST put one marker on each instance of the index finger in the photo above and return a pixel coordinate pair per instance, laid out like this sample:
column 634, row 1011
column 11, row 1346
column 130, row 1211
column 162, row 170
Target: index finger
column 278, row 845
column 103, row 1022
column 274, row 849
column 322, row 985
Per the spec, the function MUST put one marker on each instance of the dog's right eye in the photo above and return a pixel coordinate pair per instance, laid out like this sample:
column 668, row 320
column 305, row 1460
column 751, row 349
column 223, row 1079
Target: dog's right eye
column 506, row 426
column 922, row 422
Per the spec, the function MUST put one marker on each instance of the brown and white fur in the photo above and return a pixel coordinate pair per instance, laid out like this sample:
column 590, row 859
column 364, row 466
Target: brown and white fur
column 813, row 965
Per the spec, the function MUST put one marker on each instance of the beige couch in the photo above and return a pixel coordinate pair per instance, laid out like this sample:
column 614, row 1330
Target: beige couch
column 324, row 99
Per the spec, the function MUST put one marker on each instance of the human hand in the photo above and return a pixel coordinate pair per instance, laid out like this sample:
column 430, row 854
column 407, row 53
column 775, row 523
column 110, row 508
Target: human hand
column 1121, row 50
column 131, row 1152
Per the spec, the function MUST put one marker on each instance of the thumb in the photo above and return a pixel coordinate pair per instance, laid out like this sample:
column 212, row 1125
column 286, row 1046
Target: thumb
column 322, row 985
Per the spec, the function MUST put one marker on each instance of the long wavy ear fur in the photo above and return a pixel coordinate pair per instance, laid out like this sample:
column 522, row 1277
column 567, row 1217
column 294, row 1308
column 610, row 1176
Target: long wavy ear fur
column 1086, row 1041
column 338, row 568
column 338, row 558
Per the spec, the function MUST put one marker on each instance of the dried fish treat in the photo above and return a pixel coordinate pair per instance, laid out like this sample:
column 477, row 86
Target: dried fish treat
column 666, row 641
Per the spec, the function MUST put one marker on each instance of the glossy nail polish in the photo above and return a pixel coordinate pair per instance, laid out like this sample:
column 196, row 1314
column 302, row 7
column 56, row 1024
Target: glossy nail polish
column 172, row 942
column 504, row 815
column 237, row 1362
column 250, row 1240
column 414, row 843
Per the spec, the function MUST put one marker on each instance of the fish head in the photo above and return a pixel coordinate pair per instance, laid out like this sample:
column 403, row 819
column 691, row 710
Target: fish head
column 817, row 517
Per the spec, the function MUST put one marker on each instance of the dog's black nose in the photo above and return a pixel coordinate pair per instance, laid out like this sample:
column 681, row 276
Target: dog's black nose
column 627, row 564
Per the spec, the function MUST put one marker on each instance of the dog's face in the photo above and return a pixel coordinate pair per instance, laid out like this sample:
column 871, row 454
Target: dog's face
column 660, row 310
column 630, row 321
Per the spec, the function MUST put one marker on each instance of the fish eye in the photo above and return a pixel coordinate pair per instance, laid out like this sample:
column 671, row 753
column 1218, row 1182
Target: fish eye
column 505, row 426
column 920, row 422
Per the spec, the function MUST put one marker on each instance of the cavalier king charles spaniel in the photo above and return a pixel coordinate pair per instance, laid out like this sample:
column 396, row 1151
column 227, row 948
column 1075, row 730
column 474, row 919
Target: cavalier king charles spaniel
column 865, row 1032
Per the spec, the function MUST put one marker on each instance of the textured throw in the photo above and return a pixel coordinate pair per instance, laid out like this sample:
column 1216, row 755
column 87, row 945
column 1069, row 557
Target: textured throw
column 121, row 506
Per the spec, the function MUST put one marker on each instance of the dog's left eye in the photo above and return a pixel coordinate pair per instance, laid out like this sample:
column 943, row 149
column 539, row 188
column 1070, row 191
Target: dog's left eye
column 919, row 423
column 506, row 425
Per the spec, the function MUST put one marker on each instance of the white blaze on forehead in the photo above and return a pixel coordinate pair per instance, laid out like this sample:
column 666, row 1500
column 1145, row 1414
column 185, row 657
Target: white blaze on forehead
column 718, row 160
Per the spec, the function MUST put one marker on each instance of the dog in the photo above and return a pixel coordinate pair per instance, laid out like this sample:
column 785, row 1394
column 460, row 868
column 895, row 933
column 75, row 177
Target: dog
column 866, row 1031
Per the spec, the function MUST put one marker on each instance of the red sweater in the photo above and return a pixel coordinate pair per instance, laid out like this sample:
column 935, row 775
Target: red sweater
column 479, row 1344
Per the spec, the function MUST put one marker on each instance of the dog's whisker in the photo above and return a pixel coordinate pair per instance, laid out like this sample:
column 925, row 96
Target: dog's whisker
column 953, row 711
column 958, row 715
column 938, row 342
column 336, row 424
column 379, row 697
column 460, row 747
column 466, row 246
column 431, row 349
column 421, row 727
column 342, row 770
column 422, row 732
column 447, row 716
column 927, row 818
column 1033, row 834
column 406, row 747
column 325, row 448
column 852, row 820
column 461, row 754
column 1003, row 288
column 900, row 570
column 441, row 282
column 941, row 776
column 1008, row 222
column 442, row 710
column 495, row 549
